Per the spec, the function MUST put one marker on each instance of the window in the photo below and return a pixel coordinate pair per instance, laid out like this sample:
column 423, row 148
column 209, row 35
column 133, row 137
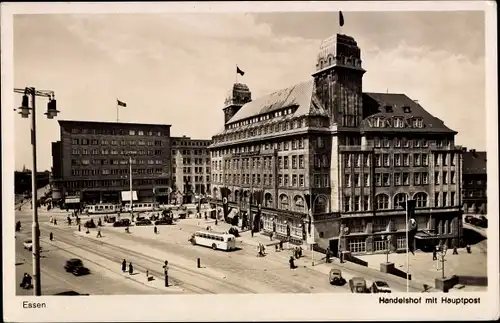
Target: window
column 317, row 181
column 416, row 179
column 425, row 160
column 280, row 179
column 406, row 178
column 347, row 203
column 452, row 199
column 425, row 178
column 406, row 159
column 356, row 160
column 386, row 160
column 382, row 202
column 452, row 177
column 421, row 199
column 357, row 245
column 397, row 179
column 445, row 178
column 398, row 199
column 401, row 242
column 416, row 159
column 378, row 160
column 376, row 142
column 436, row 199
column 347, row 158
column 436, row 178
column 366, row 203
column 357, row 180
column 294, row 180
column 366, row 160
column 452, row 159
column 380, row 224
column 294, row 162
column 286, row 182
column 347, row 181
column 74, row 141
column 445, row 159
column 378, row 179
column 445, row 202
column 366, row 180
column 301, row 180
column 397, row 160
column 285, row 162
column 386, row 179
column 397, row 142
column 131, row 132
column 357, row 203
column 436, row 159
column 301, row 161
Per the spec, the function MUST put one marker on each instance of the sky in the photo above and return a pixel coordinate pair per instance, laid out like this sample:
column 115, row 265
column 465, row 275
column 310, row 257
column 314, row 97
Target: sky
column 177, row 69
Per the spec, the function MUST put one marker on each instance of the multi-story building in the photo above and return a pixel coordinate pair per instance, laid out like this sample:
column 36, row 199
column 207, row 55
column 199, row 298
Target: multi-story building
column 190, row 168
column 331, row 164
column 91, row 162
column 474, row 181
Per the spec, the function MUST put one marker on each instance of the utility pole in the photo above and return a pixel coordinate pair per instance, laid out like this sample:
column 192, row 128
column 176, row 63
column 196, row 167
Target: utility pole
column 130, row 187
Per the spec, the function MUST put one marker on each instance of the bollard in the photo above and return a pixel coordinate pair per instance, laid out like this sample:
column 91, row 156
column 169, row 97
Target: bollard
column 199, row 262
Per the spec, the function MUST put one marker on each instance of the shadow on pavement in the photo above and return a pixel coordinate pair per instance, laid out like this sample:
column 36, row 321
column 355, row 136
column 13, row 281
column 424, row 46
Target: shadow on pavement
column 472, row 237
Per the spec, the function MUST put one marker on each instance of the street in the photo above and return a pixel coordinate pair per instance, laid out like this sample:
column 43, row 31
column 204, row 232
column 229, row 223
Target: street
column 239, row 271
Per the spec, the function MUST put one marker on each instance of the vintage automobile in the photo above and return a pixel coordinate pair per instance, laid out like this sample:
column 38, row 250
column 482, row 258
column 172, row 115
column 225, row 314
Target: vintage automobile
column 358, row 285
column 336, row 277
column 122, row 223
column 164, row 221
column 75, row 266
column 143, row 222
column 380, row 286
column 28, row 244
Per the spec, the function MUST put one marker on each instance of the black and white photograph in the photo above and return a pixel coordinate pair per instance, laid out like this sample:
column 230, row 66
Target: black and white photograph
column 245, row 161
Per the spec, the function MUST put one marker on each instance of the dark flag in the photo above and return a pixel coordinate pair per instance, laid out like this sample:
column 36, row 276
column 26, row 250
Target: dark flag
column 309, row 199
column 225, row 207
column 341, row 19
column 239, row 71
column 121, row 104
column 409, row 207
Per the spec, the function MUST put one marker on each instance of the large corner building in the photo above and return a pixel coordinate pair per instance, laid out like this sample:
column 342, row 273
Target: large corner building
column 91, row 162
column 324, row 162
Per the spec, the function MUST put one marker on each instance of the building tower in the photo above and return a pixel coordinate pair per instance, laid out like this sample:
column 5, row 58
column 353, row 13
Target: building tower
column 338, row 80
column 235, row 99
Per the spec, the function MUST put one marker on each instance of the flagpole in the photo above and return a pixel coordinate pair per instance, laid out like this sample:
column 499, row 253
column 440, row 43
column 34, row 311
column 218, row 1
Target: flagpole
column 407, row 251
column 236, row 74
column 117, row 110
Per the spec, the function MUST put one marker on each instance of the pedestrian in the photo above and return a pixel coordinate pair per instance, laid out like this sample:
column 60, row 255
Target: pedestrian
column 51, row 236
column 156, row 230
column 88, row 231
column 434, row 253
column 271, row 236
column 455, row 251
column 79, row 228
column 124, row 265
column 468, row 248
column 300, row 251
column 130, row 269
column 276, row 246
column 55, row 221
column 292, row 263
column 251, row 232
column 281, row 245
column 99, row 234
column 165, row 272
column 216, row 221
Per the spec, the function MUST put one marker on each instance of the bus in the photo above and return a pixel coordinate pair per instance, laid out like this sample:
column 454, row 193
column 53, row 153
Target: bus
column 215, row 240
column 102, row 208
column 142, row 207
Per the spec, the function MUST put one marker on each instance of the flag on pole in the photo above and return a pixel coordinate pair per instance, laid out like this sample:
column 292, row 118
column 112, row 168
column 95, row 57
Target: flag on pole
column 121, row 104
column 341, row 19
column 239, row 71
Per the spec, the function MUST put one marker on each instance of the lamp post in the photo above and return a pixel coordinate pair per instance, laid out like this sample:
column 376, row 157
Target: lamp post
column 312, row 201
column 442, row 254
column 25, row 112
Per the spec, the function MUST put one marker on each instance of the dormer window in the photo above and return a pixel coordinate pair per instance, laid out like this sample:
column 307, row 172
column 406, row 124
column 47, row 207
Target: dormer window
column 406, row 109
column 388, row 109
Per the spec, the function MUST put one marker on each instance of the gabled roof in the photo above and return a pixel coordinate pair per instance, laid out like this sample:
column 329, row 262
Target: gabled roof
column 398, row 102
column 300, row 95
column 474, row 162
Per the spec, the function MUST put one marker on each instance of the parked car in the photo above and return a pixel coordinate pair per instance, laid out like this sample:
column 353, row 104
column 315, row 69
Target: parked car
column 182, row 215
column 468, row 218
column 122, row 223
column 143, row 222
column 482, row 221
column 380, row 286
column 358, row 285
column 28, row 244
column 76, row 267
column 336, row 277
column 164, row 221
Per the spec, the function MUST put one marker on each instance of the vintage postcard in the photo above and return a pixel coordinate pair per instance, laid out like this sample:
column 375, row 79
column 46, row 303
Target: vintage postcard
column 249, row 161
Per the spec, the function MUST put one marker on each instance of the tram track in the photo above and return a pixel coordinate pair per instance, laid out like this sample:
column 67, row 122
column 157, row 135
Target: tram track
column 187, row 272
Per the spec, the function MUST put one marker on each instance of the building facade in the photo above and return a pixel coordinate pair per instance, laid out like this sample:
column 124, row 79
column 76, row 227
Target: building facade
column 322, row 162
column 91, row 162
column 190, row 168
column 474, row 181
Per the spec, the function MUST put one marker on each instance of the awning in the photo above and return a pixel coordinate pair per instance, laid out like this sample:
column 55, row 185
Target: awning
column 425, row 235
column 233, row 213
column 72, row 200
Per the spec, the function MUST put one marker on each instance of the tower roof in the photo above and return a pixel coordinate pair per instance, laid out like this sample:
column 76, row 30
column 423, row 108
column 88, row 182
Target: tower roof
column 338, row 50
column 239, row 94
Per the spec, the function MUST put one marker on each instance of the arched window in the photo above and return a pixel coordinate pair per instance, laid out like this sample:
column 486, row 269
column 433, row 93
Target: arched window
column 421, row 199
column 268, row 200
column 216, row 192
column 284, row 202
column 320, row 205
column 298, row 203
column 329, row 61
column 399, row 198
column 382, row 202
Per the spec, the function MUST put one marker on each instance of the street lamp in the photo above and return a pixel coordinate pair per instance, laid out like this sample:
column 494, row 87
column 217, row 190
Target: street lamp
column 442, row 254
column 25, row 112
column 312, row 201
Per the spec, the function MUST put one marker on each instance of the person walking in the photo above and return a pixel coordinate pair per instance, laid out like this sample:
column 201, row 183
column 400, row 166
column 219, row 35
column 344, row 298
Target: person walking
column 99, row 235
column 215, row 221
column 55, row 221
column 281, row 245
column 155, row 230
column 455, row 251
column 130, row 269
column 165, row 272
column 468, row 248
column 292, row 263
column 251, row 232
column 434, row 253
column 51, row 236
column 124, row 265
column 79, row 228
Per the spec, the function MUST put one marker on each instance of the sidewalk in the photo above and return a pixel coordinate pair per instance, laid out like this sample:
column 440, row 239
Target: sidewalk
column 111, row 269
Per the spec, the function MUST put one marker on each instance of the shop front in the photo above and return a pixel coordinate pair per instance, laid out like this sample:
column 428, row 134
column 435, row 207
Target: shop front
column 287, row 226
